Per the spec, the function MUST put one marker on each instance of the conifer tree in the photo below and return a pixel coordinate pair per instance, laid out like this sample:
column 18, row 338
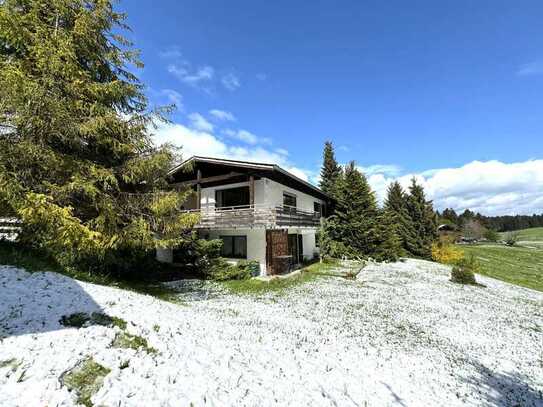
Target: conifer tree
column 396, row 206
column 424, row 220
column 77, row 162
column 355, row 211
column 331, row 171
column 388, row 242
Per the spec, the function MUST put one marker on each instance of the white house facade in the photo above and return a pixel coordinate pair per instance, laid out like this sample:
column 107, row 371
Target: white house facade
column 260, row 211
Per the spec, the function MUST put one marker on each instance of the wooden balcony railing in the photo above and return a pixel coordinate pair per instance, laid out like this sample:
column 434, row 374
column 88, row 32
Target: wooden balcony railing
column 255, row 216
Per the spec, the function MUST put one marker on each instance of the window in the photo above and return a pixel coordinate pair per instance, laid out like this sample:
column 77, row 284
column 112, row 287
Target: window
column 317, row 208
column 234, row 247
column 289, row 200
column 225, row 198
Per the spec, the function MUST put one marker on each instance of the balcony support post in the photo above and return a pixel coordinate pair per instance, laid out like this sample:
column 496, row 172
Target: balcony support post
column 199, row 189
column 251, row 190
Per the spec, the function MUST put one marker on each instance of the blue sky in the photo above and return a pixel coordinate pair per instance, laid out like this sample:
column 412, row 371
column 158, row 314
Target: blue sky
column 401, row 87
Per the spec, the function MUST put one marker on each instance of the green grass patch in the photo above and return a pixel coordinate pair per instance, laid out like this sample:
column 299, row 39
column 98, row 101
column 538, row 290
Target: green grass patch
column 532, row 234
column 125, row 340
column 516, row 265
column 278, row 286
column 81, row 319
column 85, row 380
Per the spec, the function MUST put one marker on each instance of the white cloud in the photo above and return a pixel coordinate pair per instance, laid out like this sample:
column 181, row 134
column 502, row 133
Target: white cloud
column 203, row 143
column 230, row 81
column 222, row 115
column 173, row 97
column 533, row 68
column 171, row 53
column 192, row 77
column 198, row 122
column 491, row 187
column 385, row 169
column 299, row 173
column 247, row 137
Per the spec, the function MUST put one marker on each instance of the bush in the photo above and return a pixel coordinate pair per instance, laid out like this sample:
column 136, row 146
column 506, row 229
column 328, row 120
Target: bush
column 221, row 270
column 464, row 271
column 444, row 252
column 491, row 235
column 511, row 238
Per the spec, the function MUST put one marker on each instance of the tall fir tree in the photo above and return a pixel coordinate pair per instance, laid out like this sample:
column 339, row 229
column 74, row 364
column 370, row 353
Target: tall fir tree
column 358, row 228
column 424, row 220
column 396, row 205
column 388, row 241
column 77, row 161
column 331, row 171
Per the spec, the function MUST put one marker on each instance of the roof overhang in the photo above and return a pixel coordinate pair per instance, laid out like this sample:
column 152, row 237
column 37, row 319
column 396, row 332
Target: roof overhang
column 248, row 165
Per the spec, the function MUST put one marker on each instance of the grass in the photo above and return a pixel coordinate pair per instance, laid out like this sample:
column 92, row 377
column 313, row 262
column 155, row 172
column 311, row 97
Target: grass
column 125, row 340
column 527, row 235
column 516, row 265
column 278, row 286
column 80, row 319
column 85, row 380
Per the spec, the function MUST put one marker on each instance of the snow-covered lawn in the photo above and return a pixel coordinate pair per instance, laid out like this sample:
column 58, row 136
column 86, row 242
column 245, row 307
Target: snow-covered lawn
column 400, row 334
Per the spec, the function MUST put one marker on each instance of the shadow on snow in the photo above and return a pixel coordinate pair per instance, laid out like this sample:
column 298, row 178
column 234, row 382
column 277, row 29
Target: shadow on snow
column 32, row 303
column 504, row 389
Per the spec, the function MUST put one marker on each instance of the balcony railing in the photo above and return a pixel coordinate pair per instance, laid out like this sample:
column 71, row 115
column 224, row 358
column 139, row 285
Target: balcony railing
column 255, row 216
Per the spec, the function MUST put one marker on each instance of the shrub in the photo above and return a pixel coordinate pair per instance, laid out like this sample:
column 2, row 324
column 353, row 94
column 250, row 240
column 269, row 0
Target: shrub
column 511, row 238
column 464, row 271
column 444, row 252
column 221, row 270
column 491, row 235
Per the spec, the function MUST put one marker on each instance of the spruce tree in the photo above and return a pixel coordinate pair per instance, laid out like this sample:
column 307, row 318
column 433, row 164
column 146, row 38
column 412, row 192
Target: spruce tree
column 331, row 171
column 396, row 206
column 424, row 220
column 77, row 162
column 355, row 213
column 387, row 241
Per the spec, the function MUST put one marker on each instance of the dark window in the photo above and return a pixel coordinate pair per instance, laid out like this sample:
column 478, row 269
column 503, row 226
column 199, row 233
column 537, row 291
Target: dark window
column 225, row 198
column 317, row 207
column 295, row 248
column 289, row 200
column 234, row 247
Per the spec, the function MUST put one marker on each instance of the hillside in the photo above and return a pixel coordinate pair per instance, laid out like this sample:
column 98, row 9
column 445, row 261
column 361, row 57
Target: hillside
column 516, row 265
column 531, row 237
column 401, row 334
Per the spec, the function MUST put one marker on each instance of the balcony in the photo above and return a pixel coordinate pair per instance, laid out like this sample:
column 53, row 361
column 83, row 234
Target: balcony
column 255, row 216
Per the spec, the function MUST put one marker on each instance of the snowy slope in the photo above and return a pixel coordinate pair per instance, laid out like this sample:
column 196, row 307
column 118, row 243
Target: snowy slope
column 401, row 334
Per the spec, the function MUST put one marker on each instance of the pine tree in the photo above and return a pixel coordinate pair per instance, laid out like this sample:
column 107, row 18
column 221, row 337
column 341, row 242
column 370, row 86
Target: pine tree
column 424, row 220
column 77, row 162
column 388, row 241
column 331, row 171
column 396, row 205
column 355, row 213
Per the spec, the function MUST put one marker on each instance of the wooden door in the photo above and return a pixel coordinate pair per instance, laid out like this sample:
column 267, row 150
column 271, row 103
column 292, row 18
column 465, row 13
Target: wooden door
column 276, row 245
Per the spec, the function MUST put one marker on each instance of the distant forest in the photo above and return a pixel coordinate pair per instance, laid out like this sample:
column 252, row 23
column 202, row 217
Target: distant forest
column 497, row 223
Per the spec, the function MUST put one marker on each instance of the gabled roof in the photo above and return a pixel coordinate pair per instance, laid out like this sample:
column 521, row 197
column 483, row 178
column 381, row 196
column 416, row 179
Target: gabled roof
column 260, row 167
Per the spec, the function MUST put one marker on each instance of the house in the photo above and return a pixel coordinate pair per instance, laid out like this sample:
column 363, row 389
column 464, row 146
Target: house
column 260, row 211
